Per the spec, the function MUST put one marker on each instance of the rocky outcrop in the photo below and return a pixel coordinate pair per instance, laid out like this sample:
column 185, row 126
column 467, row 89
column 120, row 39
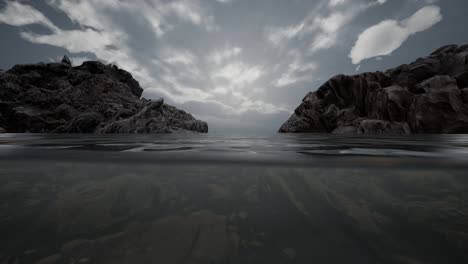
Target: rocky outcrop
column 90, row 98
column 428, row 96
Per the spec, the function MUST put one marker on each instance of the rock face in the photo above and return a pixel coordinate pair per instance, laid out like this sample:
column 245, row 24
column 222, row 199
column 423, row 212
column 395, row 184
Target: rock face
column 428, row 96
column 90, row 98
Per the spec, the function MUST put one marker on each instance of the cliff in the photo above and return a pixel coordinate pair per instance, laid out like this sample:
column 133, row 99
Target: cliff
column 427, row 96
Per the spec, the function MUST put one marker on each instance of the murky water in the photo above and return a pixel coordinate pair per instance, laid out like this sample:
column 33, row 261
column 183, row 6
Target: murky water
column 213, row 199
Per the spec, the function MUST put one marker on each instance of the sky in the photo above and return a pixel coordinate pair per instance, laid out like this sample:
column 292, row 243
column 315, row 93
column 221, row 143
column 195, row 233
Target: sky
column 240, row 65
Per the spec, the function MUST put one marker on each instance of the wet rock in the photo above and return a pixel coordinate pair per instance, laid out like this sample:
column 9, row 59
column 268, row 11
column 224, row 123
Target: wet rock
column 90, row 98
column 426, row 96
column 380, row 127
column 343, row 130
column 83, row 123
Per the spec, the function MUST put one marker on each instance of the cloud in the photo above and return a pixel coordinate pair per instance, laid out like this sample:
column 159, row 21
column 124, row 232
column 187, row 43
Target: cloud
column 385, row 37
column 238, row 73
column 74, row 41
column 279, row 35
column 156, row 12
column 17, row 14
column 191, row 11
column 219, row 56
column 336, row 2
column 296, row 71
column 177, row 57
column 322, row 30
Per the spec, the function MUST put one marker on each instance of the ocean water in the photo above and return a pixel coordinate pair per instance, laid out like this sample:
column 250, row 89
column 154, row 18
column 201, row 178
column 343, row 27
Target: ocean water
column 218, row 199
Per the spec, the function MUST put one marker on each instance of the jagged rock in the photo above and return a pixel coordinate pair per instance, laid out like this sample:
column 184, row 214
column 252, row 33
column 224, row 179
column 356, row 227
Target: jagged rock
column 429, row 96
column 90, row 98
column 465, row 95
column 66, row 60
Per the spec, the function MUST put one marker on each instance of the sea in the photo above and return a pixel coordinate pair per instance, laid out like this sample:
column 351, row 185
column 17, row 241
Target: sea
column 209, row 198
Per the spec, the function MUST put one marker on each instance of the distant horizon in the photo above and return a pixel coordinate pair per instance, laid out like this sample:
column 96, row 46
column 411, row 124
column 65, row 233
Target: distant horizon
column 241, row 66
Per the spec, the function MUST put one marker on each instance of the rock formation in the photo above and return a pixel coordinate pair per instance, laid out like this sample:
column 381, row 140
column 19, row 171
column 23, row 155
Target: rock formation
column 428, row 96
column 90, row 98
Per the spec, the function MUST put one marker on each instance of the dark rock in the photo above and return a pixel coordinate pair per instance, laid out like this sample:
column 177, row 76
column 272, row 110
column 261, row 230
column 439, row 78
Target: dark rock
column 398, row 101
column 90, row 98
column 345, row 130
column 426, row 96
column 465, row 95
column 380, row 127
column 439, row 112
column 462, row 79
column 445, row 49
column 83, row 123
column 66, row 60
column 2, row 130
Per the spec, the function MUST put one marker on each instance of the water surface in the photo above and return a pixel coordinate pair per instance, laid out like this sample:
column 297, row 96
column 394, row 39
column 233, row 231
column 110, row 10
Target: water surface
column 218, row 199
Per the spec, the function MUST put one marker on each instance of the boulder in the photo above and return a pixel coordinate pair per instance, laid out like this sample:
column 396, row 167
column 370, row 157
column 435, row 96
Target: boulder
column 90, row 98
column 427, row 96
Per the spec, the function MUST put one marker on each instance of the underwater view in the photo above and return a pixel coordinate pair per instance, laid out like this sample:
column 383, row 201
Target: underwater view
column 216, row 199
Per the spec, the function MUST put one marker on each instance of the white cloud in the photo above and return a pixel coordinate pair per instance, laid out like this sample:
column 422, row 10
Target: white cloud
column 238, row 73
column 385, row 37
column 156, row 12
column 322, row 30
column 336, row 2
column 184, row 57
column 17, row 14
column 322, row 41
column 279, row 35
column 333, row 22
column 190, row 11
column 77, row 60
column 74, row 41
column 219, row 56
column 296, row 71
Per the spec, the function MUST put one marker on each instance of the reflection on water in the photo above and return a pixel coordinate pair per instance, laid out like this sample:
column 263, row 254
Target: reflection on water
column 303, row 199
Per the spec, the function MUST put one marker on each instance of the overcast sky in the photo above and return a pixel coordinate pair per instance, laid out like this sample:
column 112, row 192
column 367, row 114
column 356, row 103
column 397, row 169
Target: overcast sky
column 240, row 65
